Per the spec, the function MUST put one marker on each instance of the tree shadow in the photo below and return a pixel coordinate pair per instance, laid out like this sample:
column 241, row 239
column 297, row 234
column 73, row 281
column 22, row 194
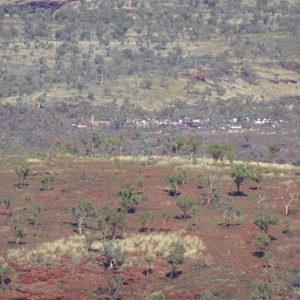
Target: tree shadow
column 173, row 275
column 150, row 271
column 89, row 227
column 70, row 223
column 164, row 230
column 7, row 281
column 246, row 146
column 172, row 193
column 229, row 225
column 21, row 186
column 144, row 229
column 258, row 254
column 14, row 242
column 182, row 218
column 237, row 194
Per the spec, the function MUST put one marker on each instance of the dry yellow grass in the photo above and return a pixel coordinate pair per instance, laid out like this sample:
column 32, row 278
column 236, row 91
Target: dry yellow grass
column 72, row 247
column 156, row 244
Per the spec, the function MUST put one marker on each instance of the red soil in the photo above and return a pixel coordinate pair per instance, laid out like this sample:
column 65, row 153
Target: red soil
column 233, row 264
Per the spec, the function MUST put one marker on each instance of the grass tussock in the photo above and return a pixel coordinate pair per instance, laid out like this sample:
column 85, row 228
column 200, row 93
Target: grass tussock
column 72, row 247
column 156, row 244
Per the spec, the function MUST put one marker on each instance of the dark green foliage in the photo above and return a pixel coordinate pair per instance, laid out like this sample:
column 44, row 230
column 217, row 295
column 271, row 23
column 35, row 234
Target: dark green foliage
column 110, row 220
column 17, row 229
column 130, row 198
column 176, row 256
column 219, row 151
column 239, row 173
column 7, row 201
column 263, row 221
column 175, row 180
column 256, row 176
column 177, row 143
column 261, row 241
column 22, row 172
column 184, row 204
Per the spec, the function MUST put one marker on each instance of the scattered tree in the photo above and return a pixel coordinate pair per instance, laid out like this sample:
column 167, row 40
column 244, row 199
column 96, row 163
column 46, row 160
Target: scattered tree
column 140, row 183
column 261, row 241
column 261, row 290
column 175, row 180
column 92, row 142
column 239, row 173
column 81, row 212
column 33, row 214
column 293, row 197
column 176, row 256
column 288, row 229
column 184, row 204
column 149, row 260
column 111, row 220
column 17, row 229
column 22, row 172
column 8, row 201
column 264, row 221
column 47, row 180
column 5, row 270
column 89, row 239
column 115, row 283
column 165, row 214
column 28, row 198
column 113, row 255
column 256, row 176
column 247, row 136
column 130, row 198
column 146, row 219
column 229, row 210
column 211, row 190
column 219, row 151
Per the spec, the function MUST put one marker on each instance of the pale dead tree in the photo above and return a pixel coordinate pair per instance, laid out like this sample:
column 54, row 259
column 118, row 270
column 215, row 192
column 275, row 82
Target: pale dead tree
column 261, row 201
column 287, row 203
column 293, row 197
column 52, row 156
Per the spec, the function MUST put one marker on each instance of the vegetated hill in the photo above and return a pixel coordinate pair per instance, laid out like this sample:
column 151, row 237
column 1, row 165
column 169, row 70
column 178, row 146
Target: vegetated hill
column 149, row 53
